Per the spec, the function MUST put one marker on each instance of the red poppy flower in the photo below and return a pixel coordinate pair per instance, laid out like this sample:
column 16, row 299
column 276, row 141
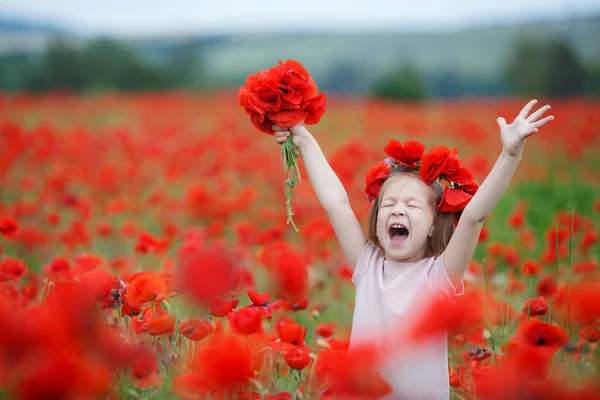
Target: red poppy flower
column 531, row 268
column 352, row 375
column 291, row 332
column 8, row 226
column 535, row 307
column 144, row 370
column 298, row 304
column 440, row 160
column 245, row 321
column 12, row 269
column 453, row 315
column 408, row 154
column 374, row 179
column 226, row 363
column 453, row 200
column 586, row 302
column 547, row 286
column 144, row 287
column 297, row 357
column 206, row 270
column 461, row 176
column 148, row 244
column 325, row 330
column 219, row 308
column 195, row 329
column 98, row 283
column 163, row 325
column 539, row 334
column 259, row 299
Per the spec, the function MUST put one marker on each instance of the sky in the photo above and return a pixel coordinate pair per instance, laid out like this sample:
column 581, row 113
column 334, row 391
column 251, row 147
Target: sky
column 157, row 17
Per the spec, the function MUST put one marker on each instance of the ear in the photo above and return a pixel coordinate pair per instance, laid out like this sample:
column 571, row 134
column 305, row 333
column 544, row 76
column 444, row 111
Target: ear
column 431, row 231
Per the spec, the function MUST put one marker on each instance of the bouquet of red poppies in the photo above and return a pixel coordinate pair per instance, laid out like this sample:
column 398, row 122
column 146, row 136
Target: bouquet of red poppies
column 284, row 95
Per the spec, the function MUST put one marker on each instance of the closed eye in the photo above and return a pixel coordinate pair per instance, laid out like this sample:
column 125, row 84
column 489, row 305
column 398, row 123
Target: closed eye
column 413, row 206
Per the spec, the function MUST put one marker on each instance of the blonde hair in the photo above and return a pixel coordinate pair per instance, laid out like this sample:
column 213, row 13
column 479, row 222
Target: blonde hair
column 444, row 223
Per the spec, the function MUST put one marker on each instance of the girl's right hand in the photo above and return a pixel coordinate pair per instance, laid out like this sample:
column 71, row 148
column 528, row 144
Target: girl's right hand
column 282, row 133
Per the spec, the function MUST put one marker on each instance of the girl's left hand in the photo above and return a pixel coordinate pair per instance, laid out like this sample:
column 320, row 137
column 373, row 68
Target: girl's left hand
column 514, row 135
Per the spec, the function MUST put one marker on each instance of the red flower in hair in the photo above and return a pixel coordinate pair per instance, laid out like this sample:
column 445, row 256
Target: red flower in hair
column 375, row 177
column 409, row 154
column 453, row 200
column 461, row 176
column 440, row 160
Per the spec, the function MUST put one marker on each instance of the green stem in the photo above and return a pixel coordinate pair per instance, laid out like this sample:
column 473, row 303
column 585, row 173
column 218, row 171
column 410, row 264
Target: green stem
column 528, row 297
column 289, row 158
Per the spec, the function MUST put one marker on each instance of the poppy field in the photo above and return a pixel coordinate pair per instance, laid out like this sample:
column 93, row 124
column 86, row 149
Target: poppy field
column 144, row 252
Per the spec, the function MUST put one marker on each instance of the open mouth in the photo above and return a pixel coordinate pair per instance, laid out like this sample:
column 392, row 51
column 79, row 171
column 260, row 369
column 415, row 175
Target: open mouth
column 398, row 233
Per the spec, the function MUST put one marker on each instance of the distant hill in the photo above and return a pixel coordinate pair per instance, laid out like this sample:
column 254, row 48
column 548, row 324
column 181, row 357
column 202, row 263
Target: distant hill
column 19, row 35
column 19, row 25
column 478, row 52
column 347, row 61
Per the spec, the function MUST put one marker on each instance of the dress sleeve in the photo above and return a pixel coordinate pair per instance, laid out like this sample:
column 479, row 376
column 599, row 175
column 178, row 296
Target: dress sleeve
column 439, row 279
column 367, row 257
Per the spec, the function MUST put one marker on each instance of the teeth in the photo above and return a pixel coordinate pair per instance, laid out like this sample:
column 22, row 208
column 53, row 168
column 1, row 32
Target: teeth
column 398, row 226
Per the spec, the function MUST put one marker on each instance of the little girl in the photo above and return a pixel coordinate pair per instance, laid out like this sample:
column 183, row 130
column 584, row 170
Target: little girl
column 412, row 250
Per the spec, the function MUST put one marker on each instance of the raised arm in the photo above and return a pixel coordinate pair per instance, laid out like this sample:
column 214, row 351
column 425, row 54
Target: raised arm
column 459, row 251
column 329, row 190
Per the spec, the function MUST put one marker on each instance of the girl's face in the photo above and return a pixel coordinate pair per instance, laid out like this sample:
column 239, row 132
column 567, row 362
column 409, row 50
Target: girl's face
column 405, row 218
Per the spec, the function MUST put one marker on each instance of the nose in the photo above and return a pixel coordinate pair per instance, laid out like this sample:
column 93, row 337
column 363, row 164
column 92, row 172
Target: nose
column 397, row 210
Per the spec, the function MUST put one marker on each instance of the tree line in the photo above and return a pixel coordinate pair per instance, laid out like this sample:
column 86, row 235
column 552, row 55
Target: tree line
column 548, row 68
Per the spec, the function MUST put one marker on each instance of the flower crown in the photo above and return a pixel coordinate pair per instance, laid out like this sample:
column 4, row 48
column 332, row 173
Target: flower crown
column 439, row 164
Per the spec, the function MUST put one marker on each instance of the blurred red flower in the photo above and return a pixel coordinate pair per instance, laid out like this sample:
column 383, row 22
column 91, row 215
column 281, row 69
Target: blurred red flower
column 195, row 329
column 144, row 287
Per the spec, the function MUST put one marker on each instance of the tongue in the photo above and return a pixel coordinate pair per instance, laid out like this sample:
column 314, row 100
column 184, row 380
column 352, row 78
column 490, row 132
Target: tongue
column 398, row 238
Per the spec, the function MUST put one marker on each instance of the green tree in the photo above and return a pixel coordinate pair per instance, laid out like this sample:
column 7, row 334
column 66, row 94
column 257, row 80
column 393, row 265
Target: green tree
column 548, row 68
column 185, row 68
column 405, row 83
column 593, row 86
column 60, row 67
column 14, row 71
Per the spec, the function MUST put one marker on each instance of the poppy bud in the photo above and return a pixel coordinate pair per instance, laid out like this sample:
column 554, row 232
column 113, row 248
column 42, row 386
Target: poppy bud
column 166, row 306
column 298, row 395
column 316, row 314
column 323, row 344
column 486, row 334
column 51, row 286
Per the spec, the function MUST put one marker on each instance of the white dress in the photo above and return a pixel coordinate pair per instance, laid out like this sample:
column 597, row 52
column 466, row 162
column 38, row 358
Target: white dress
column 388, row 295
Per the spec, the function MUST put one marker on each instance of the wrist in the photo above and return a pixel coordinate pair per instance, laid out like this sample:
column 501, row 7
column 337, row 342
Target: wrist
column 512, row 154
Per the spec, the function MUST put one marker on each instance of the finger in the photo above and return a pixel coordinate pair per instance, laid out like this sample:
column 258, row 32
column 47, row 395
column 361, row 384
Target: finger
column 279, row 128
column 280, row 140
column 538, row 113
column 527, row 109
column 501, row 122
column 529, row 133
column 282, row 134
column 542, row 122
